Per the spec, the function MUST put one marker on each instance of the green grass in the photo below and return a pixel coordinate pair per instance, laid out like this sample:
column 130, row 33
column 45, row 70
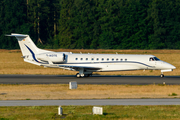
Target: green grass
column 173, row 94
column 85, row 112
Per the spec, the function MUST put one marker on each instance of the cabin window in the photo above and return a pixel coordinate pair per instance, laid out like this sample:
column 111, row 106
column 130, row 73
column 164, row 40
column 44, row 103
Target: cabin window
column 157, row 59
column 151, row 59
column 121, row 59
column 125, row 59
column 86, row 58
column 97, row 59
column 113, row 59
column 92, row 58
column 81, row 58
column 107, row 59
column 154, row 59
column 76, row 58
column 102, row 59
column 116, row 59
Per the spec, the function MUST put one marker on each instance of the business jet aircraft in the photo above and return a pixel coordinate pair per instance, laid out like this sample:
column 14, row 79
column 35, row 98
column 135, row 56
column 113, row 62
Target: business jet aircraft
column 86, row 64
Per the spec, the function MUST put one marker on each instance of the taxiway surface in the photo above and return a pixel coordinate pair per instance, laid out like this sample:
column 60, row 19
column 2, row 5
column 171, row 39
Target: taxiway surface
column 90, row 102
column 96, row 79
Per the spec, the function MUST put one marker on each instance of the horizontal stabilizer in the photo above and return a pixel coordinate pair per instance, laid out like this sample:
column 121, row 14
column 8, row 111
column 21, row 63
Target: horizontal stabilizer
column 27, row 45
column 17, row 35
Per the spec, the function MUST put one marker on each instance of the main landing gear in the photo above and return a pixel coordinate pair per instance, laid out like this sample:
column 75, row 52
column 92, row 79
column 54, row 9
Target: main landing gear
column 78, row 75
column 82, row 75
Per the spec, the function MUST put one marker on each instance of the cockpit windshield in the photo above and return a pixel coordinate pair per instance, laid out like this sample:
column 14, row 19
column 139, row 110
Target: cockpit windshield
column 154, row 59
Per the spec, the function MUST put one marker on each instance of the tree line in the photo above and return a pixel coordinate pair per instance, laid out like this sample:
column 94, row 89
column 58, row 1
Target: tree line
column 92, row 24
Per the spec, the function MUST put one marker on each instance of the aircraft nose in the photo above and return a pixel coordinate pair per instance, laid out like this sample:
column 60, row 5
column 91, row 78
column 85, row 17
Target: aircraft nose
column 171, row 66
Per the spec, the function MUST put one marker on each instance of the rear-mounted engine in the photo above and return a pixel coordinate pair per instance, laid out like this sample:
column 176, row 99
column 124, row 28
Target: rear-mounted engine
column 53, row 57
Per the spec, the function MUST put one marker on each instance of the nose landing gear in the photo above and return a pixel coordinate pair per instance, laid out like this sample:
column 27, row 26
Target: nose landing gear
column 162, row 75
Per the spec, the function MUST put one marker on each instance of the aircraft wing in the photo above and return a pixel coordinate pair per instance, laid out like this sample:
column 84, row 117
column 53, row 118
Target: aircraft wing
column 83, row 66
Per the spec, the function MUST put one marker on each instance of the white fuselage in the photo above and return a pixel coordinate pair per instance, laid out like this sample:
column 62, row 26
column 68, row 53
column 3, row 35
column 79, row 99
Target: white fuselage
column 88, row 63
column 112, row 62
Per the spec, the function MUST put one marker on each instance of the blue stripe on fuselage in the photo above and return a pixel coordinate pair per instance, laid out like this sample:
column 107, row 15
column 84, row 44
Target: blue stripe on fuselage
column 91, row 61
column 33, row 55
column 112, row 62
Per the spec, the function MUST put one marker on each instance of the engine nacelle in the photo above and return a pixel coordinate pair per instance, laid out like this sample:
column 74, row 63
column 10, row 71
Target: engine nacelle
column 53, row 57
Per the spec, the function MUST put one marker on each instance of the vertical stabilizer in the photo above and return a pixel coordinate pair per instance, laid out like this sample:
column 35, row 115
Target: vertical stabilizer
column 27, row 45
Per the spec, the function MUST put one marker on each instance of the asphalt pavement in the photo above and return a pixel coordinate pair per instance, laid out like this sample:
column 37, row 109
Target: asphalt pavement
column 96, row 79
column 90, row 102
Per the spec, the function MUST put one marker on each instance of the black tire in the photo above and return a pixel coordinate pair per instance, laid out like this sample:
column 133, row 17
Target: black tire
column 162, row 75
column 77, row 75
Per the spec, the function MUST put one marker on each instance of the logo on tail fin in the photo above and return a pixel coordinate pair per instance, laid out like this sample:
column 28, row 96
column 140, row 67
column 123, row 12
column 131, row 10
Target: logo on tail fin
column 33, row 55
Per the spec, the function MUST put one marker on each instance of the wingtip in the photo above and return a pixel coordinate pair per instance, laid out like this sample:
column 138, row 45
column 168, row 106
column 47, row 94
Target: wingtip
column 16, row 35
column 7, row 35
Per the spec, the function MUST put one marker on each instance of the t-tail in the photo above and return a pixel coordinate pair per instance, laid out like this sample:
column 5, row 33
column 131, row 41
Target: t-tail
column 28, row 48
column 27, row 45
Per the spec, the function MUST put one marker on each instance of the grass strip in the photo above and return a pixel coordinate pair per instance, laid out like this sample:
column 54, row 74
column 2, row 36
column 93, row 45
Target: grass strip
column 62, row 91
column 85, row 113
